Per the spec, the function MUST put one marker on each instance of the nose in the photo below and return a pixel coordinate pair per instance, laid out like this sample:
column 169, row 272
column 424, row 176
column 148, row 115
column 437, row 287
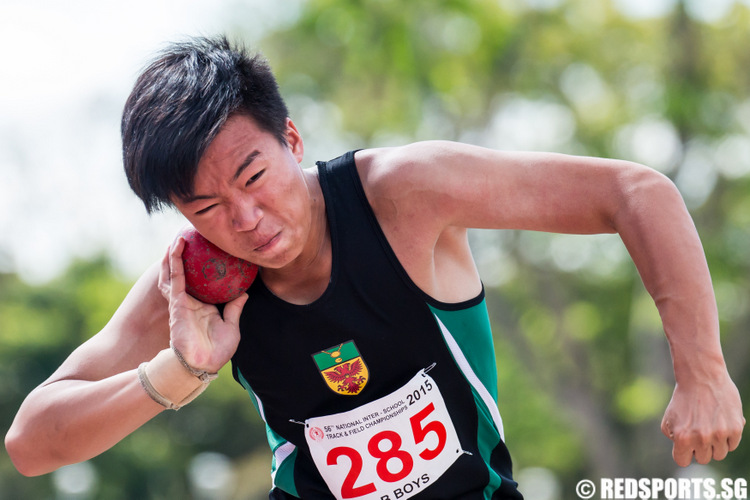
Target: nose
column 245, row 214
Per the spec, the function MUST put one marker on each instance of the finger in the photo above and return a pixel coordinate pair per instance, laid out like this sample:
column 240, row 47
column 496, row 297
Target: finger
column 176, row 269
column 720, row 449
column 734, row 440
column 233, row 309
column 163, row 283
column 703, row 454
column 682, row 454
column 682, row 450
column 682, row 459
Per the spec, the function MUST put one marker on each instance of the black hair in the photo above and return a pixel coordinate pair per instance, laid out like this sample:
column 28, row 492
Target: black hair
column 180, row 102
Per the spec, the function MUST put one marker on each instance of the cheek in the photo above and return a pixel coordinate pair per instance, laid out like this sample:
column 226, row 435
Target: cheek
column 212, row 228
column 290, row 203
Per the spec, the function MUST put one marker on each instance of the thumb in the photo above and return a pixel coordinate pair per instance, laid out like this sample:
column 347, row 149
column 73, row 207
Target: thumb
column 233, row 309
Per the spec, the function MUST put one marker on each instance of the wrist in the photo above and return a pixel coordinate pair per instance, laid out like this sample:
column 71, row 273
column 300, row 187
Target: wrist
column 168, row 382
column 700, row 367
column 203, row 375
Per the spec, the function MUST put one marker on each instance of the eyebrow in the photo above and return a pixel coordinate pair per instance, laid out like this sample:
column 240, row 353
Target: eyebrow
column 241, row 168
column 248, row 160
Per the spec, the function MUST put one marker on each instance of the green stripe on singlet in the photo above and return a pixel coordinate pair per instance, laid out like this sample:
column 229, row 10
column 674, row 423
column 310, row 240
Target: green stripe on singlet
column 470, row 329
column 281, row 471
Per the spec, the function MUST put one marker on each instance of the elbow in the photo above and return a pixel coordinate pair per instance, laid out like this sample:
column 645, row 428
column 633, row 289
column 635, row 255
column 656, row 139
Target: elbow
column 20, row 451
column 14, row 447
column 649, row 182
column 645, row 192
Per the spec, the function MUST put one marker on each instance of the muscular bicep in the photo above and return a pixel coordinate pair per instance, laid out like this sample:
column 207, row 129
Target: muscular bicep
column 451, row 184
column 137, row 331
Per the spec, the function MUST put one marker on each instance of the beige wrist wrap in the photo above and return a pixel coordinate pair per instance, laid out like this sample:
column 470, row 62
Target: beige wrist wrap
column 168, row 378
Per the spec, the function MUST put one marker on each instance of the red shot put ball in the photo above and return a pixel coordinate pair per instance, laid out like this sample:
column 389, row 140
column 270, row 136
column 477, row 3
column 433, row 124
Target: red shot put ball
column 212, row 275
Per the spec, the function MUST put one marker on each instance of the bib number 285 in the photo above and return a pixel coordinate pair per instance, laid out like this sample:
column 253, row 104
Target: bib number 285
column 392, row 447
column 391, row 453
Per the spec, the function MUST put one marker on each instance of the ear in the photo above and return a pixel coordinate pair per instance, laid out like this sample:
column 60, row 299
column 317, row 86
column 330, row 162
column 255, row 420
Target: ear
column 294, row 140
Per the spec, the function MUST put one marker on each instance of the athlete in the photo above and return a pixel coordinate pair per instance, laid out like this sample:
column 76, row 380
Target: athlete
column 364, row 343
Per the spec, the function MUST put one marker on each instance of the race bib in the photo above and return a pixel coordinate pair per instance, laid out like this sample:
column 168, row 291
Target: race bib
column 391, row 448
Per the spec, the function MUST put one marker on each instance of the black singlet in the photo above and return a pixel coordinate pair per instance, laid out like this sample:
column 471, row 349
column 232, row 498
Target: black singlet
column 370, row 334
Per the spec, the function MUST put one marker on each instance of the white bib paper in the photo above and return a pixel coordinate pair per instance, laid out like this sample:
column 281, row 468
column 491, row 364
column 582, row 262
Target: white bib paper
column 391, row 448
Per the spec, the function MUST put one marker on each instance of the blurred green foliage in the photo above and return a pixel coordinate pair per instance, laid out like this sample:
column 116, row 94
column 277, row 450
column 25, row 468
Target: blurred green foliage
column 584, row 370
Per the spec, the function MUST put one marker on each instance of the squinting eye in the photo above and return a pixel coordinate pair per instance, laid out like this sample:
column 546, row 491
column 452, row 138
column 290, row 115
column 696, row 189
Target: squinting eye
column 255, row 177
column 204, row 210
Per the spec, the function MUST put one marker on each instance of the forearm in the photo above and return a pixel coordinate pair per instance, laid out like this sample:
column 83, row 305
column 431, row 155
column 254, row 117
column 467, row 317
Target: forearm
column 75, row 420
column 692, row 328
column 69, row 421
column 704, row 417
column 664, row 244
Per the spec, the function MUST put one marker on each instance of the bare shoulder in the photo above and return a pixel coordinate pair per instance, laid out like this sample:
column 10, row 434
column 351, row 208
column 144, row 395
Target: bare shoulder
column 408, row 178
column 382, row 168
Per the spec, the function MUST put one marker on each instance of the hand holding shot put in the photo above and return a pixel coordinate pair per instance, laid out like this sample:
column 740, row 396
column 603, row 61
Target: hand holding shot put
column 206, row 337
column 202, row 340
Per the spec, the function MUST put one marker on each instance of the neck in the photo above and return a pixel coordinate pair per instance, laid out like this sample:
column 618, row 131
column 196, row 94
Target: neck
column 306, row 278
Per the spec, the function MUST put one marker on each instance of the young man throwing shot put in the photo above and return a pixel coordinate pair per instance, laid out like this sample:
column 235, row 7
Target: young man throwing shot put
column 364, row 342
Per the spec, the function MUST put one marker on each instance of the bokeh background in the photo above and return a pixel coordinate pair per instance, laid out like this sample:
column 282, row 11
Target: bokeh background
column 585, row 372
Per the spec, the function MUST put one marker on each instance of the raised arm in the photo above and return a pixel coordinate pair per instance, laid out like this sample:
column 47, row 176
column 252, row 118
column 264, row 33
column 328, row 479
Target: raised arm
column 446, row 185
column 96, row 398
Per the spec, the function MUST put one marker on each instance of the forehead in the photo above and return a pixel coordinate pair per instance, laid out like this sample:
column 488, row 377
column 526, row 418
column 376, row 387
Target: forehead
column 236, row 144
column 239, row 134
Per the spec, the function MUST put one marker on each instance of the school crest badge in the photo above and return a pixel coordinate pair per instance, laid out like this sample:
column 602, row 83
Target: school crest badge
column 342, row 368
